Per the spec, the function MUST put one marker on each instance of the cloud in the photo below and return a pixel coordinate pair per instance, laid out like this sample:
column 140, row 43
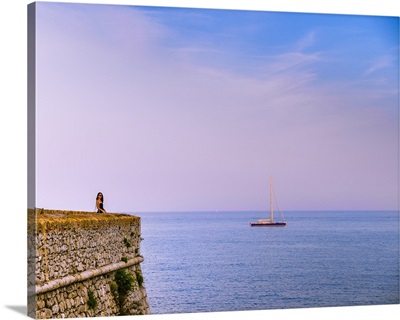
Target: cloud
column 290, row 62
column 380, row 63
column 306, row 42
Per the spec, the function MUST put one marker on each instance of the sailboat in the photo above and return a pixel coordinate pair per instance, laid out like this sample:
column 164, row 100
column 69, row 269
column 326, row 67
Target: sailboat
column 269, row 222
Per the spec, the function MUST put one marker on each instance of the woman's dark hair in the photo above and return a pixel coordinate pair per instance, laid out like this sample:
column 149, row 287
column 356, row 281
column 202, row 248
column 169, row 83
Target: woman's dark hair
column 102, row 196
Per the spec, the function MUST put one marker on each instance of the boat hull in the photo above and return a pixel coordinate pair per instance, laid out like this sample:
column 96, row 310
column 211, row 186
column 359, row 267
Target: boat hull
column 268, row 224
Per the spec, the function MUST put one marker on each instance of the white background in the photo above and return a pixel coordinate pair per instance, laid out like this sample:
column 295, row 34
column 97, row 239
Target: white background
column 13, row 156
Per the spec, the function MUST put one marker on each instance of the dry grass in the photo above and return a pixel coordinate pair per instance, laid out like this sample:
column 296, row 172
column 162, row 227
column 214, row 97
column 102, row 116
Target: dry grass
column 63, row 219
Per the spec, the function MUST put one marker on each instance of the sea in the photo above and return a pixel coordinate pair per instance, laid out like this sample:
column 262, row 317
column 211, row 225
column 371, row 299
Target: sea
column 214, row 261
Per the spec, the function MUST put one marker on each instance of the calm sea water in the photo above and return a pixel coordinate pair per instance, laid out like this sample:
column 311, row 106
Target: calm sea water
column 214, row 261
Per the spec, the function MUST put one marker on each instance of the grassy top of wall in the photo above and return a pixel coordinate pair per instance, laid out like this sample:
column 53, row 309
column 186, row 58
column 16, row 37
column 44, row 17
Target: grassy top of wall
column 64, row 220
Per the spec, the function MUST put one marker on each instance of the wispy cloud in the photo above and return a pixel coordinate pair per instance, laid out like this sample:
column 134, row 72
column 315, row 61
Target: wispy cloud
column 291, row 60
column 380, row 63
column 306, row 42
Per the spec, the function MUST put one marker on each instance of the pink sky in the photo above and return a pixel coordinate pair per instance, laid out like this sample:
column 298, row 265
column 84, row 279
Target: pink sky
column 128, row 106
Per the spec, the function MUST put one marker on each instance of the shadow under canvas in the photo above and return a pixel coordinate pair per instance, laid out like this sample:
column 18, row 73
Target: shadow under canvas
column 19, row 309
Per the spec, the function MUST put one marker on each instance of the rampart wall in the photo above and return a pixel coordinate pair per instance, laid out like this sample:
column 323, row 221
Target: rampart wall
column 83, row 264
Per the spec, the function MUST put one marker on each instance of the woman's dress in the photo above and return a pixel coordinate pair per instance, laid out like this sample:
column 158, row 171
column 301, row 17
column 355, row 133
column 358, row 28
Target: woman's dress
column 101, row 207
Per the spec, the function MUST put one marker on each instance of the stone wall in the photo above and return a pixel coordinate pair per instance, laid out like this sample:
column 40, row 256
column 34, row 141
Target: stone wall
column 76, row 261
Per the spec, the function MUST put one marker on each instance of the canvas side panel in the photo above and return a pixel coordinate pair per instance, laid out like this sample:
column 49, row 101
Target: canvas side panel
column 31, row 232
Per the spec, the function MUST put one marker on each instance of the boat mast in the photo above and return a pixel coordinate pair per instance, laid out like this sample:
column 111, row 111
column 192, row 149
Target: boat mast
column 271, row 199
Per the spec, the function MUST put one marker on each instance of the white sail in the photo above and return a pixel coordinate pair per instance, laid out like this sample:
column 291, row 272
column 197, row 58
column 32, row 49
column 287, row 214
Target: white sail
column 270, row 221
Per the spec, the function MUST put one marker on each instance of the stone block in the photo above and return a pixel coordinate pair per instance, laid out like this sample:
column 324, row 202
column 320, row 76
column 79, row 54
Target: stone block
column 55, row 309
column 62, row 306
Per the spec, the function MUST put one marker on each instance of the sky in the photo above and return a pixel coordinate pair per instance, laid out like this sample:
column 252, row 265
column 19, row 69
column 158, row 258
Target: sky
column 171, row 109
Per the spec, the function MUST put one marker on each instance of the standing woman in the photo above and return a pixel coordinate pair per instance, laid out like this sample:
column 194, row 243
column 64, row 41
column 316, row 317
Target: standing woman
column 99, row 203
